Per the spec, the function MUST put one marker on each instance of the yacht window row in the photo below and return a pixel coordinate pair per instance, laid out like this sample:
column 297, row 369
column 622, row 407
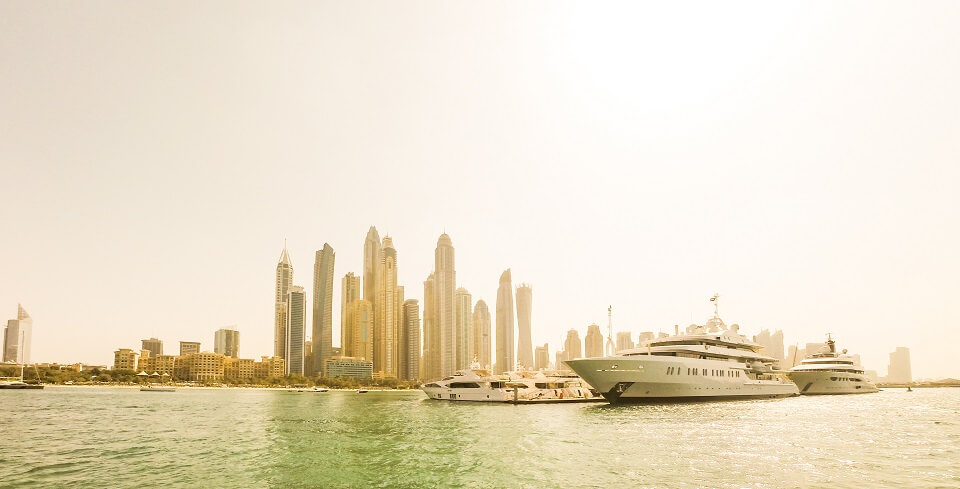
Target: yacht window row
column 704, row 372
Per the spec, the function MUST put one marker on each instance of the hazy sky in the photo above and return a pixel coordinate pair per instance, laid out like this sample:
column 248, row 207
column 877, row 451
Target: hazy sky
column 802, row 160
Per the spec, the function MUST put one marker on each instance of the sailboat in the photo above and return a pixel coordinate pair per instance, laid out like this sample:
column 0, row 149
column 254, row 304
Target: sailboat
column 18, row 383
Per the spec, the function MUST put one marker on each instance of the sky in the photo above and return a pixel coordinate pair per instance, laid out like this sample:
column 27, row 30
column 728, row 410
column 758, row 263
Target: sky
column 801, row 160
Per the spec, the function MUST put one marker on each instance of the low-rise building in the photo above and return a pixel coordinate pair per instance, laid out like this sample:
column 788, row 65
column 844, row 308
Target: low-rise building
column 349, row 367
column 238, row 368
column 125, row 359
column 268, row 367
column 200, row 367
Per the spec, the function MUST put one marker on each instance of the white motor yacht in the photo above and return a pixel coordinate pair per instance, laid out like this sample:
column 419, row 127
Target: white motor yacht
column 480, row 385
column 830, row 372
column 706, row 362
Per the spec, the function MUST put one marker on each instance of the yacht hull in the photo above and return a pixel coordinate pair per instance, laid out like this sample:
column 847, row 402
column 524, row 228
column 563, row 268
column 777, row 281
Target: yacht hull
column 652, row 379
column 818, row 383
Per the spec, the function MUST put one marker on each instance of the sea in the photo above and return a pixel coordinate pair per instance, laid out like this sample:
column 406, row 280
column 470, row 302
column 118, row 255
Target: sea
column 80, row 437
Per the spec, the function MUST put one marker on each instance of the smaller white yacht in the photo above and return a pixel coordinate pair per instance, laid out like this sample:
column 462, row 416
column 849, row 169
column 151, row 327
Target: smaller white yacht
column 829, row 372
column 480, row 385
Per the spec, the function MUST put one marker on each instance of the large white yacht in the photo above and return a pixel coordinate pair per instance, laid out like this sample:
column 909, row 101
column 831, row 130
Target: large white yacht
column 829, row 372
column 710, row 361
column 478, row 384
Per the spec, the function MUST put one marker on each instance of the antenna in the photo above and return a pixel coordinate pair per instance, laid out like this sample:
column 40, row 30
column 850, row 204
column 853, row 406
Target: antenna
column 610, row 348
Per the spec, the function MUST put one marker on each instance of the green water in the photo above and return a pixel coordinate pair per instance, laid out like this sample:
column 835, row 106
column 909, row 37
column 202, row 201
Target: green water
column 117, row 437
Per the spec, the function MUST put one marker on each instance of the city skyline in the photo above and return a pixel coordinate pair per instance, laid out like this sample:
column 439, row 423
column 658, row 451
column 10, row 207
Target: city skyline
column 766, row 171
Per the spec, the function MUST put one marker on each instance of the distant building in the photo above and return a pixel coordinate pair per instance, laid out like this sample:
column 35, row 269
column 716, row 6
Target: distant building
column 188, row 347
column 161, row 364
column 350, row 293
column 593, row 342
column 542, row 357
column 463, row 323
column 360, row 319
column 814, row 348
column 354, row 368
column 645, row 336
column 481, row 333
column 154, row 345
column 283, row 282
column 386, row 312
column 308, row 368
column 445, row 277
column 296, row 330
column 125, row 359
column 410, row 341
column 899, row 369
column 524, row 312
column 238, row 368
column 269, row 367
column 772, row 343
column 322, row 308
column 201, row 367
column 572, row 348
column 624, row 341
column 505, row 328
column 561, row 357
column 17, row 337
column 226, row 342
column 430, row 359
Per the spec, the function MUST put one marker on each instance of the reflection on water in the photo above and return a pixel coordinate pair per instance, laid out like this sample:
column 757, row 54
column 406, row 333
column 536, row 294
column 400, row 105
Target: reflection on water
column 91, row 437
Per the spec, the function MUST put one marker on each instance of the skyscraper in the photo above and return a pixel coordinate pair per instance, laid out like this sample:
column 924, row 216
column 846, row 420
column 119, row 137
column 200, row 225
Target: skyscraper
column 284, row 280
column 431, row 332
column 899, row 369
column 410, row 341
column 296, row 330
column 153, row 345
column 17, row 337
column 361, row 327
column 624, row 341
column 386, row 314
column 481, row 333
column 350, row 292
column 445, row 276
column 505, row 328
column 322, row 308
column 572, row 348
column 226, row 342
column 524, row 342
column 464, row 326
column 371, row 260
column 542, row 357
column 593, row 342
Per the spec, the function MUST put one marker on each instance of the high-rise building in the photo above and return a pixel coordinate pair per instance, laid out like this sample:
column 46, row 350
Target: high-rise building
column 524, row 341
column 17, row 337
column 645, row 336
column 772, row 343
column 431, row 332
column 361, row 327
column 153, row 345
column 542, row 357
column 296, row 330
column 386, row 313
column 308, row 369
column 284, row 279
column 624, row 341
column 899, row 369
column 572, row 348
column 463, row 319
column 226, row 342
column 561, row 356
column 505, row 328
column 322, row 336
column 371, row 261
column 593, row 342
column 445, row 275
column 481, row 333
column 410, row 341
column 188, row 347
column 350, row 292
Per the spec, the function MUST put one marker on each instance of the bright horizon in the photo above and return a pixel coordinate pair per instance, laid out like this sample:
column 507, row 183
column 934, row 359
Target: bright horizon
column 802, row 162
